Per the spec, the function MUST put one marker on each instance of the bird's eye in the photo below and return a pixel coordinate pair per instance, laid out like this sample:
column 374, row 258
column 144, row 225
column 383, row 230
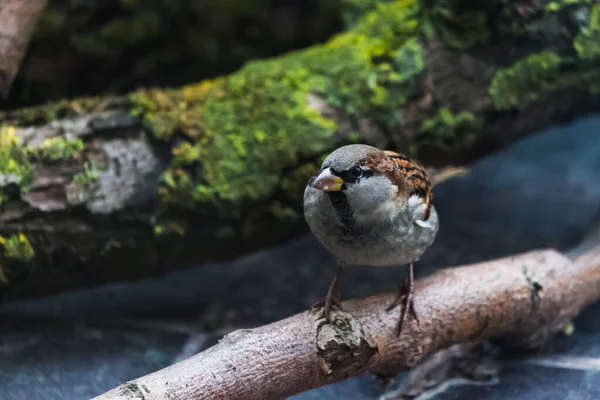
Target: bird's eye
column 356, row 172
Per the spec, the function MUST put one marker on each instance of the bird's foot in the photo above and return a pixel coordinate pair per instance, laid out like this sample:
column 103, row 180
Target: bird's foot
column 405, row 299
column 327, row 305
column 330, row 299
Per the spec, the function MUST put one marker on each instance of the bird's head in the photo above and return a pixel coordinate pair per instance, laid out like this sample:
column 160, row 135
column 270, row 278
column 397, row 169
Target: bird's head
column 364, row 174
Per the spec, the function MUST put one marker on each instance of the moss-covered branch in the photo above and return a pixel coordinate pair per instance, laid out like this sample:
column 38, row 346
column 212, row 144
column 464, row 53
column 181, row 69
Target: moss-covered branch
column 101, row 189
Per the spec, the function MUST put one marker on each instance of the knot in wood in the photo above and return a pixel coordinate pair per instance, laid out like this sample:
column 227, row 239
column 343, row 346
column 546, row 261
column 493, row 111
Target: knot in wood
column 342, row 345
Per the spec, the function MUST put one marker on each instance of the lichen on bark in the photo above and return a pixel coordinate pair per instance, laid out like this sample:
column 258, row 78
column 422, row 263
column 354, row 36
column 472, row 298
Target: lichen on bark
column 17, row 248
column 15, row 165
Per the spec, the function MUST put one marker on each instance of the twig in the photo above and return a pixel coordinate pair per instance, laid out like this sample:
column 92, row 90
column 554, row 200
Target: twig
column 17, row 21
column 518, row 301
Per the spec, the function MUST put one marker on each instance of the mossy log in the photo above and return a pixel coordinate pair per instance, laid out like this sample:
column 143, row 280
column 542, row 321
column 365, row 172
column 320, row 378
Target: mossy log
column 103, row 189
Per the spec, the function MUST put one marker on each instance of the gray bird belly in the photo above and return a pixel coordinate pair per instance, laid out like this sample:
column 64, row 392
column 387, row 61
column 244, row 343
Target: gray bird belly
column 400, row 242
column 375, row 248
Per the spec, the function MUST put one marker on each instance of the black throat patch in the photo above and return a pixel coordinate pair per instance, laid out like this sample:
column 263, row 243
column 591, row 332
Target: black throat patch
column 339, row 201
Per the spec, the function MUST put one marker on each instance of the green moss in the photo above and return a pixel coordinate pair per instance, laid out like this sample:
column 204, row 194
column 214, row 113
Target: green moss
column 38, row 115
column 60, row 148
column 87, row 176
column 451, row 132
column 16, row 160
column 177, row 227
column 526, row 80
column 559, row 4
column 15, row 167
column 587, row 42
column 541, row 73
column 227, row 122
column 17, row 247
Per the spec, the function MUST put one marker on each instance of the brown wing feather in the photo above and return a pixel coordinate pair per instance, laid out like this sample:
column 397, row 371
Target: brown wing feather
column 416, row 178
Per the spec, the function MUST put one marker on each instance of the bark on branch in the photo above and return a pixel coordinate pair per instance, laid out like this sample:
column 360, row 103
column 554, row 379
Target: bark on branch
column 17, row 21
column 520, row 301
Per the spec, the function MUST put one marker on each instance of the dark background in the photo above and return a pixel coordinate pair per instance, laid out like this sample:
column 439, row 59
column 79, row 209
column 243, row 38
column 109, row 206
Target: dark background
column 95, row 47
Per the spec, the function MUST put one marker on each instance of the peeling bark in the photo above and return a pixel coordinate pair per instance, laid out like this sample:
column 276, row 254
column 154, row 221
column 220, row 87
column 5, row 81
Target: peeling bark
column 342, row 346
column 485, row 301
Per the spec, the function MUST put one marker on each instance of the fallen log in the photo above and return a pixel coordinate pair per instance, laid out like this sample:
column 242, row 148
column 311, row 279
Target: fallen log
column 113, row 188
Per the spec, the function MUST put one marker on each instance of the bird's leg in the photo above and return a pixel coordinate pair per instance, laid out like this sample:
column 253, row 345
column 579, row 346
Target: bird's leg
column 330, row 299
column 405, row 297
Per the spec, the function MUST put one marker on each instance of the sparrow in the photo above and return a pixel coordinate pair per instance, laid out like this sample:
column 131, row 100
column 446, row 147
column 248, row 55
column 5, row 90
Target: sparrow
column 373, row 207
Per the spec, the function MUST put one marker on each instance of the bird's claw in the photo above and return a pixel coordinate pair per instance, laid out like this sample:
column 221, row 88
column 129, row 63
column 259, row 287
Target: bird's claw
column 327, row 305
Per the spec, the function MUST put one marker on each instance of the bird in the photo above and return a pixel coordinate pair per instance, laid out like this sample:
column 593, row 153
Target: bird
column 372, row 207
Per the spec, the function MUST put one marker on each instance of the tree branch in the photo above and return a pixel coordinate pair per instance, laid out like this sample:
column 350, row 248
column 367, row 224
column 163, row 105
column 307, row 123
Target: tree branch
column 17, row 21
column 519, row 301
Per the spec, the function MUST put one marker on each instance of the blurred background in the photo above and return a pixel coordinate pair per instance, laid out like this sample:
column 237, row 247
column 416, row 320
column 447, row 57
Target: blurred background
column 153, row 157
column 116, row 46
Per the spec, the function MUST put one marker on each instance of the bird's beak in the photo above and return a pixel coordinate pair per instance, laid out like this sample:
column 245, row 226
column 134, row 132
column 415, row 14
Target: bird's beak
column 326, row 181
